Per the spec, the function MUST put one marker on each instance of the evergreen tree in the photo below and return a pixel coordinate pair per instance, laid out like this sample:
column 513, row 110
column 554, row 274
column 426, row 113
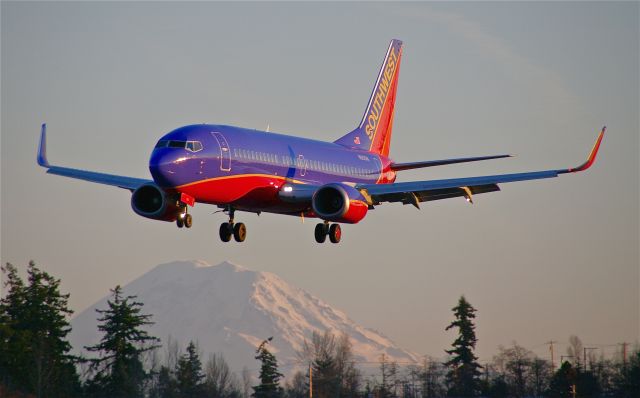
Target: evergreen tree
column 189, row 374
column 563, row 381
column 498, row 388
column 568, row 377
column 34, row 351
column 463, row 374
column 165, row 386
column 627, row 384
column 269, row 386
column 118, row 371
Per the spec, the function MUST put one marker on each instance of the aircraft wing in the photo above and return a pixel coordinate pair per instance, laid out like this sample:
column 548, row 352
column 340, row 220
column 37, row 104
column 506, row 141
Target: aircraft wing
column 130, row 183
column 421, row 191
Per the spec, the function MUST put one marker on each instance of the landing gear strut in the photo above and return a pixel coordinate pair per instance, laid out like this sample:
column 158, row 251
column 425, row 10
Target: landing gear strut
column 229, row 229
column 323, row 229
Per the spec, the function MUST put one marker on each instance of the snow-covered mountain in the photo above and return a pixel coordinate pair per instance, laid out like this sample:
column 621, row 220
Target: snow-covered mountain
column 230, row 309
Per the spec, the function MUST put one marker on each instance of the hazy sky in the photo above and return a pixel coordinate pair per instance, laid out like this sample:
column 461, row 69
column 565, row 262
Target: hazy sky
column 540, row 260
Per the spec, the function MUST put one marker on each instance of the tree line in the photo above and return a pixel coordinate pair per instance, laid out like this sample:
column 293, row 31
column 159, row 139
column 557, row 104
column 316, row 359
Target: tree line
column 36, row 360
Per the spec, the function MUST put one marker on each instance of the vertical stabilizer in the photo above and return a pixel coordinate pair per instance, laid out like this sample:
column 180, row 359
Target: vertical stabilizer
column 374, row 132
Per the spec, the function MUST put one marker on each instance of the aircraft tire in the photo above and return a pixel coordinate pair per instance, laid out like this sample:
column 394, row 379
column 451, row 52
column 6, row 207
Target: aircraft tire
column 240, row 232
column 335, row 233
column 320, row 233
column 188, row 220
column 226, row 230
column 180, row 222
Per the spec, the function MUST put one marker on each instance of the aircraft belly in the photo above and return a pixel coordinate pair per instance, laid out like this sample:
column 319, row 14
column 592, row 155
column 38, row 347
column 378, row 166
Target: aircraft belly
column 245, row 192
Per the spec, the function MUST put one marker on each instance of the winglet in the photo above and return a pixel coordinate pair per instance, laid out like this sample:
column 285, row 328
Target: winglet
column 592, row 156
column 42, row 148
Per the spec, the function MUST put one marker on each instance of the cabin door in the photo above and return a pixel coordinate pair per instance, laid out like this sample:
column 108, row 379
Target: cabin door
column 225, row 151
column 302, row 165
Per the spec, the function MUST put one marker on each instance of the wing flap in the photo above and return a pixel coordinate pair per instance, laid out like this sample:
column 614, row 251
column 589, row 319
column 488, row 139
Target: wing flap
column 378, row 190
column 410, row 197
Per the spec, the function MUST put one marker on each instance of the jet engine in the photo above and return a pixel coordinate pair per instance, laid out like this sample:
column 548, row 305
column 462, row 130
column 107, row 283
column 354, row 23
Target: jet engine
column 151, row 201
column 339, row 203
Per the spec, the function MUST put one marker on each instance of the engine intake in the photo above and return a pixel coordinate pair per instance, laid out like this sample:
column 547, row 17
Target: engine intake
column 152, row 202
column 339, row 203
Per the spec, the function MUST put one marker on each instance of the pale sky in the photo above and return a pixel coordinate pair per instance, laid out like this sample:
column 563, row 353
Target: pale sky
column 540, row 260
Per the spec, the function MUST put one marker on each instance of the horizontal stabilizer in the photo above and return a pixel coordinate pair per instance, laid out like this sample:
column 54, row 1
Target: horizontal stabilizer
column 431, row 163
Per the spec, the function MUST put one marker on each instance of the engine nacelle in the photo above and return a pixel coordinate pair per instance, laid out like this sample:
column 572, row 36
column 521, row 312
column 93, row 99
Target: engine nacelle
column 151, row 201
column 339, row 203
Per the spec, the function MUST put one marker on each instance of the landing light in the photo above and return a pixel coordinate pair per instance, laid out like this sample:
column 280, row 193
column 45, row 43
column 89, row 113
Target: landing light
column 288, row 189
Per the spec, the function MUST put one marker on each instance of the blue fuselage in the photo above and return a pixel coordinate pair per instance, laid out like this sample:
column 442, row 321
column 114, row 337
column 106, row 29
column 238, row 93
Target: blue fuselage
column 223, row 165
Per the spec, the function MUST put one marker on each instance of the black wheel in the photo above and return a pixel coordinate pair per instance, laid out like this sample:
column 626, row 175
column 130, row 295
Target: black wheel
column 239, row 232
column 188, row 220
column 335, row 233
column 320, row 232
column 226, row 230
column 180, row 221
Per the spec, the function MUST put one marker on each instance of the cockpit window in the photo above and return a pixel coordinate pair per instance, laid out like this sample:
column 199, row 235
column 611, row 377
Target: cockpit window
column 194, row 146
column 191, row 146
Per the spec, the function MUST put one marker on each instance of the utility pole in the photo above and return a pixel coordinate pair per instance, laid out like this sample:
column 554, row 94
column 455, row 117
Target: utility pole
column 310, row 381
column 553, row 363
column 585, row 356
column 624, row 354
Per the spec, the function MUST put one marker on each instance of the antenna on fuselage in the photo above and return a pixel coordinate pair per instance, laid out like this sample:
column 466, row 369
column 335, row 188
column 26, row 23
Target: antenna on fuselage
column 267, row 128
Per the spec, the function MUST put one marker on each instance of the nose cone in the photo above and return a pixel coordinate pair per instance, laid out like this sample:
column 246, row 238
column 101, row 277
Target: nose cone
column 162, row 167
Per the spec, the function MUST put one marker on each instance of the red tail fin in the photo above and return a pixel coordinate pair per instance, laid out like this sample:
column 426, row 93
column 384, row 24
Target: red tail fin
column 374, row 132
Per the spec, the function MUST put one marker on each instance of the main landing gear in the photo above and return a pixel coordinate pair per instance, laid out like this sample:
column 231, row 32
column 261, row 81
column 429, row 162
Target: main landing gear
column 333, row 231
column 229, row 229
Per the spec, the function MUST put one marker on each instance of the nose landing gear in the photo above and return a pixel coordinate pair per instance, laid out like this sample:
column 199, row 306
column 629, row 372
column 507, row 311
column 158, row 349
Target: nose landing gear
column 229, row 229
column 184, row 219
column 333, row 231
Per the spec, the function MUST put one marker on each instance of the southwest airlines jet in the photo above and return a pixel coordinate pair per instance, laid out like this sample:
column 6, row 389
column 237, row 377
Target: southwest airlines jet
column 240, row 169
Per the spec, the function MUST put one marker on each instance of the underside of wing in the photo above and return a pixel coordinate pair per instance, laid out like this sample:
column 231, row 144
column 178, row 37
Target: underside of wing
column 415, row 197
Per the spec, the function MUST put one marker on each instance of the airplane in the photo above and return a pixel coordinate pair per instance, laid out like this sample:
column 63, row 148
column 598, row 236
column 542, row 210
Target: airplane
column 239, row 169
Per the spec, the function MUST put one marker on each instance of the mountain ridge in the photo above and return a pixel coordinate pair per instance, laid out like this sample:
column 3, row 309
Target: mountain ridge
column 230, row 309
